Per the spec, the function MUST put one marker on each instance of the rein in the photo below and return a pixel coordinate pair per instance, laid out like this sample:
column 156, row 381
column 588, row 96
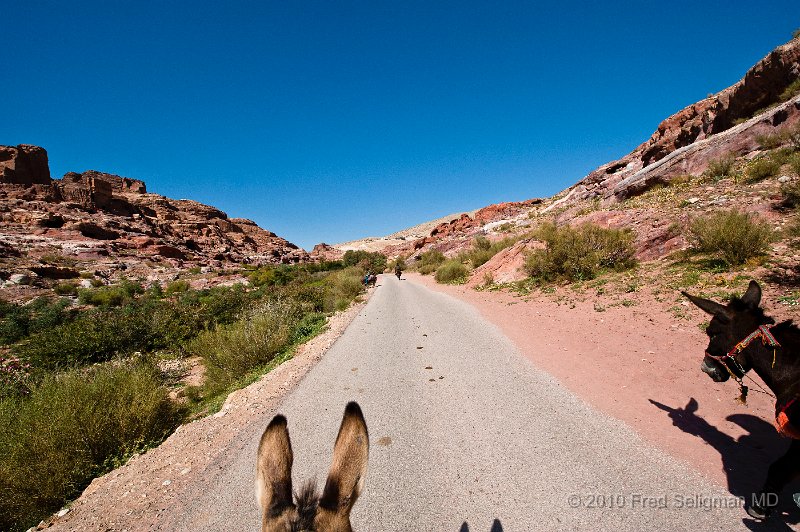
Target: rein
column 767, row 339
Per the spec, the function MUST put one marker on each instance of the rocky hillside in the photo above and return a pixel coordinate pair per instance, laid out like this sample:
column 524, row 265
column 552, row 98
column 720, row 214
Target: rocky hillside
column 398, row 238
column 729, row 122
column 101, row 226
column 732, row 150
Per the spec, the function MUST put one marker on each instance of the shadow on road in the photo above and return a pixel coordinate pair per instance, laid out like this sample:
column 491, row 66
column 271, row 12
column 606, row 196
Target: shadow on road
column 745, row 459
column 497, row 526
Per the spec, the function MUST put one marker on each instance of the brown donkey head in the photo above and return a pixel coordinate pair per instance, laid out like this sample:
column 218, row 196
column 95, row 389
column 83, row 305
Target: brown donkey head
column 311, row 512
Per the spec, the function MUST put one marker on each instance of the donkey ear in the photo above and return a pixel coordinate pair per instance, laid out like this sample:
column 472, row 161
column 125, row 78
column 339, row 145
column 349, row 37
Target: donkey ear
column 710, row 307
column 274, row 470
column 752, row 297
column 349, row 467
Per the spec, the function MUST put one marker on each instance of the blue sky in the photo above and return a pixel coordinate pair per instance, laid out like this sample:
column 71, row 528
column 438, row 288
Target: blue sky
column 333, row 120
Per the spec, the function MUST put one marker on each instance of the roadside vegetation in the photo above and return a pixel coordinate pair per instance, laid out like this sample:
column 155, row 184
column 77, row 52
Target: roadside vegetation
column 451, row 272
column 429, row 261
column 456, row 270
column 732, row 236
column 82, row 379
column 579, row 253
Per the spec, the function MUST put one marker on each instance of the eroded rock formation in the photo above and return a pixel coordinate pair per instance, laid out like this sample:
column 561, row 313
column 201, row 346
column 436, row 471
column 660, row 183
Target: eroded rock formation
column 104, row 222
column 727, row 122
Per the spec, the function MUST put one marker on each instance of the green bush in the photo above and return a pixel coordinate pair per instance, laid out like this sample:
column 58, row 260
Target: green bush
column 66, row 288
column 341, row 288
column 110, row 296
column 484, row 249
column 771, row 141
column 579, row 253
column 177, row 287
column 308, row 326
column 719, row 168
column 231, row 351
column 794, row 162
column 451, row 272
column 429, row 261
column 789, row 135
column 791, row 91
column 731, row 235
column 374, row 262
column 73, row 427
column 99, row 334
column 93, row 337
column 762, row 168
column 18, row 321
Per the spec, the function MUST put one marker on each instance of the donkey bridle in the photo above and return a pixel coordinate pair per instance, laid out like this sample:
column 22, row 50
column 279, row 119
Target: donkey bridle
column 763, row 332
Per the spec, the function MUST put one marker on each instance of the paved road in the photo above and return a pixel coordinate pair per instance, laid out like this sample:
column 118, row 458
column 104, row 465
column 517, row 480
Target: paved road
column 482, row 441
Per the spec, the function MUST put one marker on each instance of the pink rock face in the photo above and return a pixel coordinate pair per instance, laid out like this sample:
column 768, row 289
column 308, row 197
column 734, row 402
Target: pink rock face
column 24, row 165
column 688, row 140
column 506, row 266
column 108, row 223
column 457, row 234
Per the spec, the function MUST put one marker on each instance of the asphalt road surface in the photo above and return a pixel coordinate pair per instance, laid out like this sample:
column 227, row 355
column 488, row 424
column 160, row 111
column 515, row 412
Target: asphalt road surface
column 465, row 434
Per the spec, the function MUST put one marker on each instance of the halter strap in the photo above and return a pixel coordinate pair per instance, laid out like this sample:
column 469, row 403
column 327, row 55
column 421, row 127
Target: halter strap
column 762, row 332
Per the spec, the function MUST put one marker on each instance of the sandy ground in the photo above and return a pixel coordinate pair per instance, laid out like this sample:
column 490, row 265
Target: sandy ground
column 153, row 483
column 642, row 366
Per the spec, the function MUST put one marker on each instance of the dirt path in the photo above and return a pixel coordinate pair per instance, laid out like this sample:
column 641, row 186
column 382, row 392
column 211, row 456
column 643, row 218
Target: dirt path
column 640, row 364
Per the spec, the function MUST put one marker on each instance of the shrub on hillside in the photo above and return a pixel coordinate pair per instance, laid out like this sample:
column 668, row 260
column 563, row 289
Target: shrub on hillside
column 110, row 296
column 484, row 249
column 18, row 321
column 792, row 90
column 762, row 168
column 719, row 168
column 177, row 287
column 794, row 162
column 790, row 135
column 733, row 236
column 430, row 261
column 451, row 272
column 66, row 288
column 93, row 337
column 579, row 253
column 73, row 427
column 99, row 334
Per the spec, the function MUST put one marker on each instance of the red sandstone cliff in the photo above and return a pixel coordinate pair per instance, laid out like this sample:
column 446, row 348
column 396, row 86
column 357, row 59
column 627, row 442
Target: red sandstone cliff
column 107, row 223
